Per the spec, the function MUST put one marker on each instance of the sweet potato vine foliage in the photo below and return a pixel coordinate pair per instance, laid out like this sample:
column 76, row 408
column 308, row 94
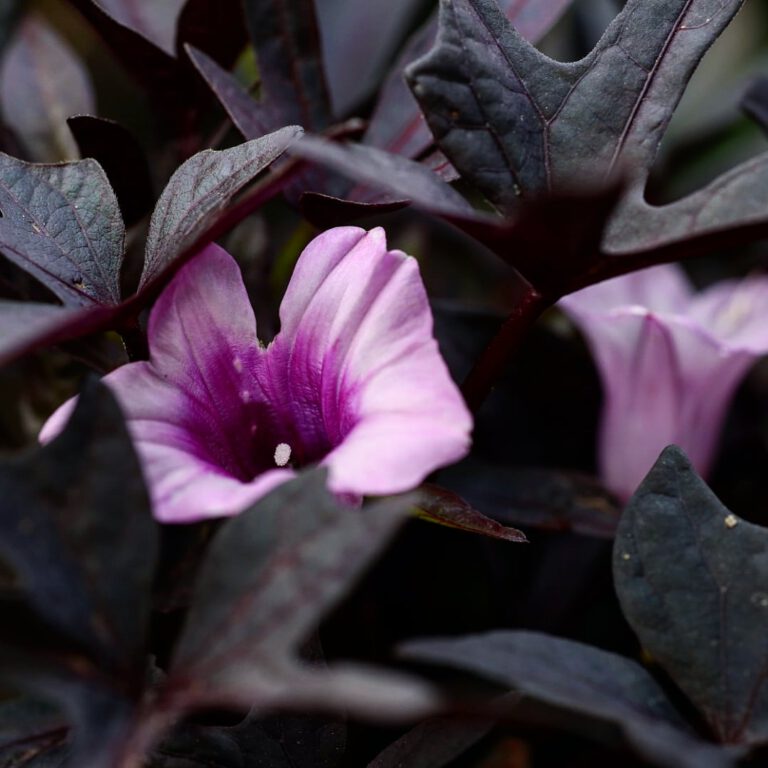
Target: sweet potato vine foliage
column 283, row 280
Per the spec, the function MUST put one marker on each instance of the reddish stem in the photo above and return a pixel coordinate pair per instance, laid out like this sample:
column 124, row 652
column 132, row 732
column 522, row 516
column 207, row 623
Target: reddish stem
column 491, row 364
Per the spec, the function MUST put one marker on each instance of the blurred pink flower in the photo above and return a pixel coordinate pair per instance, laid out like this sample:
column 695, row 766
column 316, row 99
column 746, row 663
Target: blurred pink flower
column 353, row 381
column 670, row 361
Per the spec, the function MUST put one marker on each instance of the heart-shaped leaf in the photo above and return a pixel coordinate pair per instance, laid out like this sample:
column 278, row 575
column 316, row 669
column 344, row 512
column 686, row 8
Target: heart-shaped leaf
column 692, row 579
column 62, row 224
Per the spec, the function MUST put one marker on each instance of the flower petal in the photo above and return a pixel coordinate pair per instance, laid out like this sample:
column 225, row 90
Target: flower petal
column 361, row 362
column 662, row 289
column 665, row 381
column 736, row 312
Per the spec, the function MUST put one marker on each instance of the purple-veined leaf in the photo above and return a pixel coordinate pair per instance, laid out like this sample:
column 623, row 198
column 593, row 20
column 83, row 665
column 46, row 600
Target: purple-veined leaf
column 123, row 160
column 287, row 43
column 516, row 123
column 327, row 211
column 443, row 507
column 155, row 21
column 42, row 82
column 397, row 124
column 214, row 26
column 243, row 632
column 62, row 224
column 200, row 190
column 692, row 579
column 582, row 683
column 250, row 117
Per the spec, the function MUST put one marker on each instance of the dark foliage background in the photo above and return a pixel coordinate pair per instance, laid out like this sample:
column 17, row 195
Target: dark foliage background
column 552, row 653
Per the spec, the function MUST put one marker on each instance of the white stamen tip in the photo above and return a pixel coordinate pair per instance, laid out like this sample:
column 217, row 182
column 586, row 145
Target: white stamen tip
column 282, row 454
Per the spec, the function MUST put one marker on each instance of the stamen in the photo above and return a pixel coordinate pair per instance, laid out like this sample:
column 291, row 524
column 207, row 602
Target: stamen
column 282, row 454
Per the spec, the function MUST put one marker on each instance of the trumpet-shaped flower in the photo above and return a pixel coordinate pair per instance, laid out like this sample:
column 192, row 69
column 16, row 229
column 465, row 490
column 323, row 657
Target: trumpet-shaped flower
column 353, row 381
column 670, row 361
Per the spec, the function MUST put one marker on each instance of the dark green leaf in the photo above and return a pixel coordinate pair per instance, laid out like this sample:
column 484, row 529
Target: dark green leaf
column 42, row 82
column 692, row 579
column 446, row 508
column 62, row 224
column 287, row 43
column 575, row 678
column 240, row 642
column 198, row 193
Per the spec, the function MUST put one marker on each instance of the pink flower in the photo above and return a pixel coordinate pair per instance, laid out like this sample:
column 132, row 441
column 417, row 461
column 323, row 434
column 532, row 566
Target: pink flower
column 670, row 362
column 353, row 381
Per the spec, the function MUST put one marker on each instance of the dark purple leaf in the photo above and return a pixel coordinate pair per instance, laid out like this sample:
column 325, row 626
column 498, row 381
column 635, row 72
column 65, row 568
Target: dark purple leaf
column 252, row 118
column 579, row 680
column 516, row 123
column 142, row 57
column 123, row 160
column 42, row 82
column 79, row 537
column 397, row 124
column 243, row 632
column 200, row 190
column 446, row 508
column 214, row 26
column 280, row 741
column 287, row 43
column 325, row 211
column 359, row 42
column 62, row 224
column 692, row 579
column 155, row 21
column 755, row 102
column 433, row 743
column 403, row 178
column 536, row 498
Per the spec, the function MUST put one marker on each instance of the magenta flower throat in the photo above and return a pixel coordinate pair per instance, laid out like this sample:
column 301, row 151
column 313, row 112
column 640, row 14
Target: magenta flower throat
column 353, row 381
